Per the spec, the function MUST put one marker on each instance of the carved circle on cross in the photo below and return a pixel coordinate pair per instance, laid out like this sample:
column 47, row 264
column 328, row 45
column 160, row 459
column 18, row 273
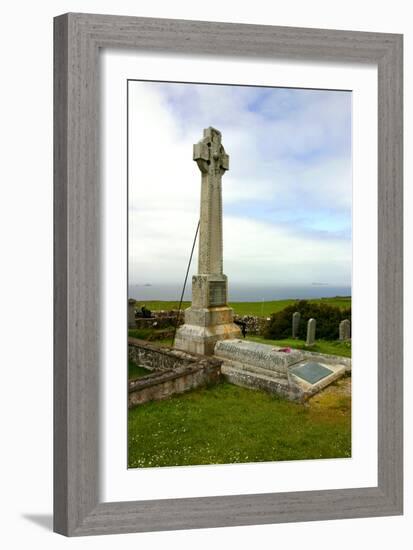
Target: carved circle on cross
column 210, row 154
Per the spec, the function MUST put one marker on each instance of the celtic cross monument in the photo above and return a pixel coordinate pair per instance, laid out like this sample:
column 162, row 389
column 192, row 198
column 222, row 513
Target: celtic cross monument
column 209, row 318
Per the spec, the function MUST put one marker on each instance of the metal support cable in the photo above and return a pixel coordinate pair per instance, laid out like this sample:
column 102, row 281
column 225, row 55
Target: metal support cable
column 183, row 288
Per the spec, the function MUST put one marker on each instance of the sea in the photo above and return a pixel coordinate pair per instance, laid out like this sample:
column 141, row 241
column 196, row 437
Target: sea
column 239, row 293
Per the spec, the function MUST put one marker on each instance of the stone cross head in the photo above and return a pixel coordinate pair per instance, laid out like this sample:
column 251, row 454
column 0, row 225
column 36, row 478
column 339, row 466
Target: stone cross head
column 210, row 154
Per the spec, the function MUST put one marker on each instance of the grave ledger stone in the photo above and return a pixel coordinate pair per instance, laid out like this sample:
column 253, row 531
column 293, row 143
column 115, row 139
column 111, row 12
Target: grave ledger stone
column 209, row 318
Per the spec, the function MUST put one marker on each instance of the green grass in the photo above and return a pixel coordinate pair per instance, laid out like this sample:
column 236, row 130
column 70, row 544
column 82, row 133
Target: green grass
column 135, row 371
column 141, row 333
column 261, row 309
column 333, row 347
column 228, row 424
column 145, row 333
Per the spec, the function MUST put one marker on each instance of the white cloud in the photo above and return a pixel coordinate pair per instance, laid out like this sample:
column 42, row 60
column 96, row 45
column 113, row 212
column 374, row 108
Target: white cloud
column 271, row 254
column 164, row 190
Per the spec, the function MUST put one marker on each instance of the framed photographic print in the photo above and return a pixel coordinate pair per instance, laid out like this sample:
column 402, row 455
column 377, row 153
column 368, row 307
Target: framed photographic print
column 228, row 274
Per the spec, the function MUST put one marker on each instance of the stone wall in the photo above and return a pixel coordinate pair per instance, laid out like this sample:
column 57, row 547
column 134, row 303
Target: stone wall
column 173, row 372
column 154, row 322
column 162, row 313
column 164, row 319
column 159, row 319
column 157, row 358
column 255, row 325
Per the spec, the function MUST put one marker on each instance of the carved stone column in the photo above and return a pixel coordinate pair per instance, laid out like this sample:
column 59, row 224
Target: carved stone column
column 209, row 318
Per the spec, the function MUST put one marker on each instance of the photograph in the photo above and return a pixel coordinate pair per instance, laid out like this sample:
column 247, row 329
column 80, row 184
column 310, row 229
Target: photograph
column 227, row 245
column 239, row 273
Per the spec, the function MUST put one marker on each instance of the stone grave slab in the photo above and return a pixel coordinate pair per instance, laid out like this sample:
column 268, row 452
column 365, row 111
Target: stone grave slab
column 296, row 375
column 257, row 355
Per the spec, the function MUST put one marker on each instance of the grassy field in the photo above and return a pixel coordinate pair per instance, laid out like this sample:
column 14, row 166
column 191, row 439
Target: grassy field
column 328, row 347
column 321, row 346
column 262, row 309
column 229, row 424
column 147, row 334
column 135, row 371
column 141, row 333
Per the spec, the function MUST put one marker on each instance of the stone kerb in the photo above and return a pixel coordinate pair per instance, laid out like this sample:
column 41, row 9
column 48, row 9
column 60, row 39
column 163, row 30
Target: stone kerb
column 158, row 358
column 173, row 372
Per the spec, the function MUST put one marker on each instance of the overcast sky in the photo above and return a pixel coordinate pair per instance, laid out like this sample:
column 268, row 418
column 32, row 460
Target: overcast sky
column 286, row 196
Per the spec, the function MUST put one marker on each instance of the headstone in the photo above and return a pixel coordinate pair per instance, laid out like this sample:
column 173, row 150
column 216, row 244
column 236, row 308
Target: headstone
column 296, row 323
column 311, row 325
column 344, row 330
column 209, row 318
column 131, row 313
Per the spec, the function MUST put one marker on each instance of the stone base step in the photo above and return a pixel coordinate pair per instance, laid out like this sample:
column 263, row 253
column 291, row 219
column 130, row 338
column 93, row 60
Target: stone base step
column 256, row 354
column 260, row 381
column 253, row 369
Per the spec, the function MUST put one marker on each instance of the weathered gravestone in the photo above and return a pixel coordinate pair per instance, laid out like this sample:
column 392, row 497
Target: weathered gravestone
column 131, row 313
column 344, row 330
column 209, row 318
column 296, row 323
column 311, row 326
column 295, row 374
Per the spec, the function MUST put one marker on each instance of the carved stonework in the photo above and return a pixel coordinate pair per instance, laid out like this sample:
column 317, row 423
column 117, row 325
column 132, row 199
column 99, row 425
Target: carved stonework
column 212, row 160
column 209, row 319
column 209, row 153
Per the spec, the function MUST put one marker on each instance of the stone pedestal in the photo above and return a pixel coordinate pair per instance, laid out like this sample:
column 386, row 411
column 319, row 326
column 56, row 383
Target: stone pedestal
column 209, row 319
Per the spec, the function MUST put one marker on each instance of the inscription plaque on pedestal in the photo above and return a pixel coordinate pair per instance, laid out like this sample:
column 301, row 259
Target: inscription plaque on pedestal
column 217, row 293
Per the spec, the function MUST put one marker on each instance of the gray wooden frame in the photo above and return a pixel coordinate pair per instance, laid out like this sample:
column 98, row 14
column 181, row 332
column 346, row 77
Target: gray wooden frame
column 78, row 39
